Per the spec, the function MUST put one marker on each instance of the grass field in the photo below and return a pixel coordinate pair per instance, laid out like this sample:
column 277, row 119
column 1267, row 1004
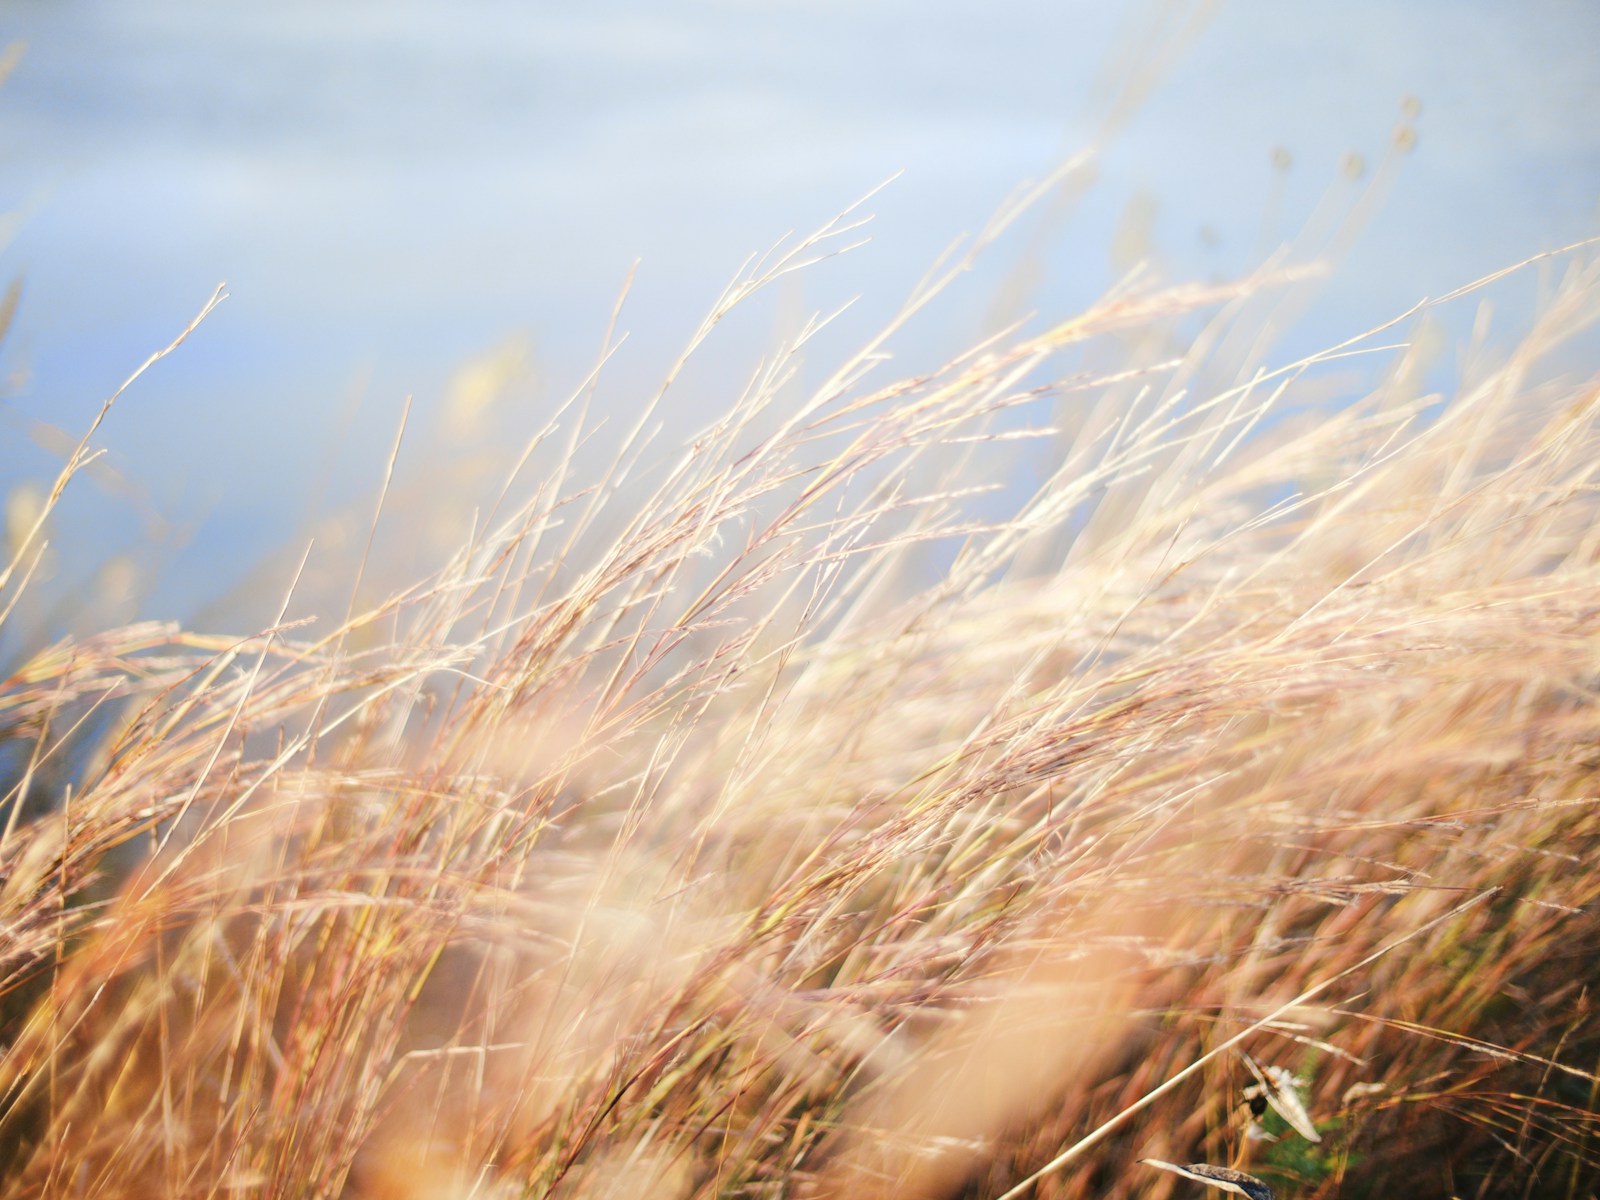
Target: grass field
column 814, row 808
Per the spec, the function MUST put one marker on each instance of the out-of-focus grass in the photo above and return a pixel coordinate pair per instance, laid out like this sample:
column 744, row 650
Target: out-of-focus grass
column 797, row 827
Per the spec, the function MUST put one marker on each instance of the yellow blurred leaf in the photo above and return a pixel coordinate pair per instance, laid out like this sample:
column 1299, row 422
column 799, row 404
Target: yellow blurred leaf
column 479, row 383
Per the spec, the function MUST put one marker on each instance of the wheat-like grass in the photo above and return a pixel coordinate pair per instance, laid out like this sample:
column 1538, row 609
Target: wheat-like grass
column 796, row 826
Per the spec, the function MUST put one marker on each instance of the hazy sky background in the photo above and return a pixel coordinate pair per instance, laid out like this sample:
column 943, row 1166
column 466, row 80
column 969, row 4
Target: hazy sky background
column 391, row 188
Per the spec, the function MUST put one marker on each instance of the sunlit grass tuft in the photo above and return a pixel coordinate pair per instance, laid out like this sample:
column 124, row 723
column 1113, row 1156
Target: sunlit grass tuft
column 810, row 809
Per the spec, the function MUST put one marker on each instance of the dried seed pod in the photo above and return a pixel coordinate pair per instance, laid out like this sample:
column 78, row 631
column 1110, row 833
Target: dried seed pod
column 1224, row 1178
column 1281, row 1089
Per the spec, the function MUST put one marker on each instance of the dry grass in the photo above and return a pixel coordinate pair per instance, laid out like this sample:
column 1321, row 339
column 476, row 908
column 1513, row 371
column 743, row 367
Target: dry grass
column 797, row 827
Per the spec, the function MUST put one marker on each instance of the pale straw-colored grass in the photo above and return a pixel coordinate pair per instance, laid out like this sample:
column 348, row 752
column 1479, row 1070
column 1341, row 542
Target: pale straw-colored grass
column 789, row 824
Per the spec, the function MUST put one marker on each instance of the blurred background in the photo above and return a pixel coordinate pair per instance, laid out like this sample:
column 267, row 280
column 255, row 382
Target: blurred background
column 444, row 201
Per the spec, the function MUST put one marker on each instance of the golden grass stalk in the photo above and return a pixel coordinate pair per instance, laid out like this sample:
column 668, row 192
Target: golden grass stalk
column 798, row 826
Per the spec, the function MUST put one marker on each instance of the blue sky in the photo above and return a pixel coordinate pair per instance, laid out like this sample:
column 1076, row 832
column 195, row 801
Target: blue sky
column 389, row 189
